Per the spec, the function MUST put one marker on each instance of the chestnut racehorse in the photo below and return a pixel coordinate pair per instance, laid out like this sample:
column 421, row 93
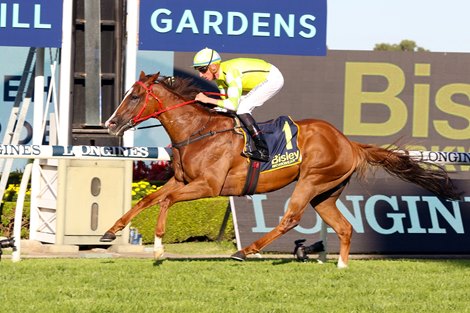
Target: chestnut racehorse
column 207, row 162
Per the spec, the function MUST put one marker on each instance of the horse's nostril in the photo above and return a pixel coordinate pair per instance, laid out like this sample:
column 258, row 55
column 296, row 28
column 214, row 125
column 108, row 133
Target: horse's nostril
column 108, row 124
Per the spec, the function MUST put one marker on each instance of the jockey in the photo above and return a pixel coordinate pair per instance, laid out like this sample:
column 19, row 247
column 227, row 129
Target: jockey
column 248, row 83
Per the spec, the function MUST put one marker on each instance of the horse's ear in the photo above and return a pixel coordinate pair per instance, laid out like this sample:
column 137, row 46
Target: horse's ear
column 154, row 77
column 142, row 75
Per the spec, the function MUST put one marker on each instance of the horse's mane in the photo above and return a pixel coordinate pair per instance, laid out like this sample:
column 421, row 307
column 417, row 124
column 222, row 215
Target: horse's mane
column 183, row 87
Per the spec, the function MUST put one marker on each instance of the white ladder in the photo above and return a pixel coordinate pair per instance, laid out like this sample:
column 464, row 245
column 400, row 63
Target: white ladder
column 18, row 116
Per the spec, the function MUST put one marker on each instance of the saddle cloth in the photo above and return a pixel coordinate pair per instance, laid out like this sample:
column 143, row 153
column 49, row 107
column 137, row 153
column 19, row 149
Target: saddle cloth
column 281, row 137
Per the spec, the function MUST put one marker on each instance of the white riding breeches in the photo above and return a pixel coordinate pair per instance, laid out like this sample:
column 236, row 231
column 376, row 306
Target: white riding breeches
column 263, row 92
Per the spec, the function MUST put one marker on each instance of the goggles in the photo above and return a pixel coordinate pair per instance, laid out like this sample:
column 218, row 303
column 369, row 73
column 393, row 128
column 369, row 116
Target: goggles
column 203, row 69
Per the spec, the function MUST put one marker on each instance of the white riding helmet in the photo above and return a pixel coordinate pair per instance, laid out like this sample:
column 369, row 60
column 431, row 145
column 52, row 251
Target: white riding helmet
column 206, row 57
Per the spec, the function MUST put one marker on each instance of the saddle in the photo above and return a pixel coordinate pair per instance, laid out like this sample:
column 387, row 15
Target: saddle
column 281, row 136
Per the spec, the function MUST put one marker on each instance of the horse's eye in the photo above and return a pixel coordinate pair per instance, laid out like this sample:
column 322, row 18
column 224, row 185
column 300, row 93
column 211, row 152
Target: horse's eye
column 134, row 97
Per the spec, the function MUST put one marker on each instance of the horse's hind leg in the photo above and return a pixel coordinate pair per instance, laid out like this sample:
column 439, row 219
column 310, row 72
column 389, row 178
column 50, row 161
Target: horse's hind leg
column 297, row 204
column 330, row 214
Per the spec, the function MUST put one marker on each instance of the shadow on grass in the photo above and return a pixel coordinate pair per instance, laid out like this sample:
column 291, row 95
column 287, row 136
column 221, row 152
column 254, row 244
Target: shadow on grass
column 275, row 262
column 199, row 259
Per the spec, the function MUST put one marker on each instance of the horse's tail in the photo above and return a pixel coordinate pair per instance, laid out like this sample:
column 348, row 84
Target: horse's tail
column 433, row 178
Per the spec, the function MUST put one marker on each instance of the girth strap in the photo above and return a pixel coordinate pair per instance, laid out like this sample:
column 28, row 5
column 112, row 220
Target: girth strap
column 251, row 178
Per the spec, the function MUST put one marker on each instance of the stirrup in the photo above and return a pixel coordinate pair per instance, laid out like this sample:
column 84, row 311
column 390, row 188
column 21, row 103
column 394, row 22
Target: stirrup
column 256, row 155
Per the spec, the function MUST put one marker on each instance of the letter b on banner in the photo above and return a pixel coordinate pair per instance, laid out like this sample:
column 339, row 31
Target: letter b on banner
column 356, row 98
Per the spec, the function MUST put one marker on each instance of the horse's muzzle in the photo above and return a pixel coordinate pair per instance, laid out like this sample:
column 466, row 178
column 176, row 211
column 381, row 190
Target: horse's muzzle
column 115, row 128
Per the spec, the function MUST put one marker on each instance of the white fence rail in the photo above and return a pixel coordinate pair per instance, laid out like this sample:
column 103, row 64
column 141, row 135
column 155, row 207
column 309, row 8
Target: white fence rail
column 159, row 153
column 84, row 152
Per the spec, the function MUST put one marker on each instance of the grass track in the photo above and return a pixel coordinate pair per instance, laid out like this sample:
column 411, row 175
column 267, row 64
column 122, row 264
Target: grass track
column 202, row 285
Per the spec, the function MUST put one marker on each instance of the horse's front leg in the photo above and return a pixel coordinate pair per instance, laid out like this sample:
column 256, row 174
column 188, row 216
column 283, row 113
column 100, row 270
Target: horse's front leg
column 195, row 190
column 146, row 202
column 158, row 249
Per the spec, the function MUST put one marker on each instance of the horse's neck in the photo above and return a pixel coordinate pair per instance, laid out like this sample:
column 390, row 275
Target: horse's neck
column 184, row 122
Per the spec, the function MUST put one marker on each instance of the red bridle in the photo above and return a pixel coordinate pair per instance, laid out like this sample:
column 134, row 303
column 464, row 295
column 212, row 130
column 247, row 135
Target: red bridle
column 161, row 109
column 139, row 118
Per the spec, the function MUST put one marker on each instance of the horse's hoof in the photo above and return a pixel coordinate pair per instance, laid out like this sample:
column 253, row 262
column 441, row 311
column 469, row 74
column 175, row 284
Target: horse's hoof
column 239, row 256
column 108, row 237
column 158, row 253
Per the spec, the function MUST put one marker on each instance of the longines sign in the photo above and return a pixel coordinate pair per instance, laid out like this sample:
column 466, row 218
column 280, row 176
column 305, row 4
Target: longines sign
column 398, row 219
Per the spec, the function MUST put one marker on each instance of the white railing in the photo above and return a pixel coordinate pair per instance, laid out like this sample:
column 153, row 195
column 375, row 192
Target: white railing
column 84, row 152
column 69, row 152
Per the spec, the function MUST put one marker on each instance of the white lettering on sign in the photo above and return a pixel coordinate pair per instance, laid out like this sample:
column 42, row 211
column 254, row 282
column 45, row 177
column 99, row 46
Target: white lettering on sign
column 443, row 217
column 3, row 14
column 187, row 22
column 242, row 21
column 13, row 17
column 83, row 151
column 165, row 25
column 234, row 23
column 212, row 20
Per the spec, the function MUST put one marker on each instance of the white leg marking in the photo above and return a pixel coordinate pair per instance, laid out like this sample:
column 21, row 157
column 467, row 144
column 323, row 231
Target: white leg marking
column 341, row 263
column 158, row 248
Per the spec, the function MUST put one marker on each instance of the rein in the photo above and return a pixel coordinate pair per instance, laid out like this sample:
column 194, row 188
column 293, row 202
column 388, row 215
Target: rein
column 196, row 136
column 138, row 118
column 200, row 137
column 161, row 109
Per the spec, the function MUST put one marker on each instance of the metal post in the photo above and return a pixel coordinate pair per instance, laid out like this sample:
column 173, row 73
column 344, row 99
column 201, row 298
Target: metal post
column 16, row 255
column 132, row 25
column 324, row 238
column 65, row 74
column 93, row 62
column 38, row 131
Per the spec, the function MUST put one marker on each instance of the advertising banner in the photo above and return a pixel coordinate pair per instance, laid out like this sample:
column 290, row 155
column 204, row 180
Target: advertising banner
column 31, row 23
column 263, row 26
column 387, row 215
column 418, row 101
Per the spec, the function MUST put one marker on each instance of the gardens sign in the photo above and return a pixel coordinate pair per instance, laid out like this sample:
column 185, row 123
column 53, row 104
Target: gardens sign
column 262, row 26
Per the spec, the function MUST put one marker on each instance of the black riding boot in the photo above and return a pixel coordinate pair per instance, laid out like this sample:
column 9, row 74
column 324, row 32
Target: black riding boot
column 261, row 153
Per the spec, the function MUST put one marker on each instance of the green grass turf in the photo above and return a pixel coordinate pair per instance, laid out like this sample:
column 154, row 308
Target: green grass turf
column 205, row 285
